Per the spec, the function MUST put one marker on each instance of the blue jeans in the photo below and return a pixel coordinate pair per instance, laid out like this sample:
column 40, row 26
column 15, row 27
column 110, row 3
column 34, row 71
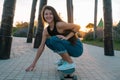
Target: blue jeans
column 64, row 46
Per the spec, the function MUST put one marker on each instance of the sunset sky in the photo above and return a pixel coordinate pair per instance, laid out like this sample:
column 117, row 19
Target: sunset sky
column 83, row 10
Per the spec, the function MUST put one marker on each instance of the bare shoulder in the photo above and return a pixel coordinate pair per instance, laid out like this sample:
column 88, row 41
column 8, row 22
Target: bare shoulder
column 61, row 24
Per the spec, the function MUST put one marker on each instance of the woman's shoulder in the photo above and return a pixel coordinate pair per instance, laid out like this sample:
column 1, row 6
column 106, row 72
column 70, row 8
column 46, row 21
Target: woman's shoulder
column 61, row 23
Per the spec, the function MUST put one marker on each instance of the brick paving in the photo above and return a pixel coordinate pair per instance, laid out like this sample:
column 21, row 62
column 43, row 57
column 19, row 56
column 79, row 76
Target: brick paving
column 92, row 65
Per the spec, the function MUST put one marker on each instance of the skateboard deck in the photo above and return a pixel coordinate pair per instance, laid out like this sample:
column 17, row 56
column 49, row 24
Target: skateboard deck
column 67, row 74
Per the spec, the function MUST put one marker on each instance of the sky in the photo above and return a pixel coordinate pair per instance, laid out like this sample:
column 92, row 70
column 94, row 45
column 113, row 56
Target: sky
column 83, row 10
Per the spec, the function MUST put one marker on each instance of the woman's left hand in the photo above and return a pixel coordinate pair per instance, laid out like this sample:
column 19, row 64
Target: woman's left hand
column 30, row 68
column 62, row 37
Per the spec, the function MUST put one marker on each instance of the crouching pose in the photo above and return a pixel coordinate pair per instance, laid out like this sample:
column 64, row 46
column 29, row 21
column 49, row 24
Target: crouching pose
column 60, row 37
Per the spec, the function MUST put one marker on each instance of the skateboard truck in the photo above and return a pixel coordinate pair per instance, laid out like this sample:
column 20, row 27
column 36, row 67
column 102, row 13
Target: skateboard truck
column 67, row 74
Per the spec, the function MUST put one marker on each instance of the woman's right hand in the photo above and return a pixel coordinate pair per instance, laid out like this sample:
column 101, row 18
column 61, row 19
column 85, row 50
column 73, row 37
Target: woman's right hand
column 30, row 68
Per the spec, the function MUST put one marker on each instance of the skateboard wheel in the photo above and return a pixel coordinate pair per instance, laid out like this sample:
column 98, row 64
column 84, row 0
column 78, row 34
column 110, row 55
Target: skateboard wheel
column 62, row 77
column 74, row 77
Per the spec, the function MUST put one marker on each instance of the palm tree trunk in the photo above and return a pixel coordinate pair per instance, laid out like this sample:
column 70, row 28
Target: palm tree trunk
column 95, row 19
column 70, row 11
column 40, row 27
column 6, row 28
column 31, row 25
column 108, row 41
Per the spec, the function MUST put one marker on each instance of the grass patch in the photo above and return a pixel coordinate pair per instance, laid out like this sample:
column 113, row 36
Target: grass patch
column 116, row 45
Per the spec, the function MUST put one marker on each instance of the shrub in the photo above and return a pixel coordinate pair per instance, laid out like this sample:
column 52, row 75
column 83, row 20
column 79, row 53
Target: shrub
column 21, row 32
column 88, row 36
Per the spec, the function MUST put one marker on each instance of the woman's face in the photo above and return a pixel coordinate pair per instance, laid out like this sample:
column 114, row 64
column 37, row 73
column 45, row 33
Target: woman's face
column 48, row 15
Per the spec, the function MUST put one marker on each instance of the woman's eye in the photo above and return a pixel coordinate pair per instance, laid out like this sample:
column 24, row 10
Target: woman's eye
column 51, row 14
column 46, row 14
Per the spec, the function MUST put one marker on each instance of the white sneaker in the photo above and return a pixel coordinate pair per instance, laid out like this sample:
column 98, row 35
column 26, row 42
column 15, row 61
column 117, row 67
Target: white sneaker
column 66, row 66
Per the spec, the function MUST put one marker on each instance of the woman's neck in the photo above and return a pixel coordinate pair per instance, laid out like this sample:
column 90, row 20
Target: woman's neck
column 51, row 25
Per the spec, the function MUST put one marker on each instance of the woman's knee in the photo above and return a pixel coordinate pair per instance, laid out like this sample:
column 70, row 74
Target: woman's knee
column 50, row 40
column 55, row 40
column 54, row 43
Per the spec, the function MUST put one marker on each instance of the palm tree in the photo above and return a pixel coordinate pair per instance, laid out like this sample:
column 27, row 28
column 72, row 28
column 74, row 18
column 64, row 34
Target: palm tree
column 70, row 11
column 6, row 28
column 95, row 19
column 31, row 25
column 40, row 27
column 108, row 41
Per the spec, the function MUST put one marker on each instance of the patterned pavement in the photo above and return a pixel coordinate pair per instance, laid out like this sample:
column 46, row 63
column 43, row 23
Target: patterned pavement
column 92, row 65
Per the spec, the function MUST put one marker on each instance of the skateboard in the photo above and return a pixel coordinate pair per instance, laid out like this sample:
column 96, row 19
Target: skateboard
column 67, row 74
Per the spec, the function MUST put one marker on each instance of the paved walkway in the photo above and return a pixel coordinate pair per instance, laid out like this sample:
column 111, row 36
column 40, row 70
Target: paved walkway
column 92, row 65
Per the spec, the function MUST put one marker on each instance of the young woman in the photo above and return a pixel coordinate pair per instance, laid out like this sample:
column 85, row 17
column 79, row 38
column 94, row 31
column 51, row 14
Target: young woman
column 60, row 37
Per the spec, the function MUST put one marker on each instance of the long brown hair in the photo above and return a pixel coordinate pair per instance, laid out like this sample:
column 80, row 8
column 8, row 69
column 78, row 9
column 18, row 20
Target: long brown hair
column 57, row 19
column 54, row 12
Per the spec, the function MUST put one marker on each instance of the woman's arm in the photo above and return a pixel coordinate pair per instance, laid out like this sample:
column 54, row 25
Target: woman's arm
column 63, row 26
column 39, row 52
column 68, row 26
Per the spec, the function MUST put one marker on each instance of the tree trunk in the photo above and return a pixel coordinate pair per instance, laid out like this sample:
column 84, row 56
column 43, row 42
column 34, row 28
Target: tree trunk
column 70, row 11
column 108, row 41
column 40, row 27
column 95, row 19
column 6, row 28
column 31, row 25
